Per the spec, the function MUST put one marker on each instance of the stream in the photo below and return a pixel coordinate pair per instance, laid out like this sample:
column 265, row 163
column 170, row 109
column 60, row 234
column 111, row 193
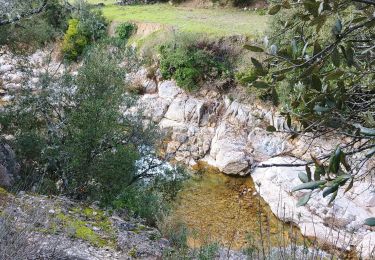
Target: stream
column 227, row 210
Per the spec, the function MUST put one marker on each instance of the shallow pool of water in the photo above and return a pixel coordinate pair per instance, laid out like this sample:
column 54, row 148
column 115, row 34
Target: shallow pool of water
column 219, row 208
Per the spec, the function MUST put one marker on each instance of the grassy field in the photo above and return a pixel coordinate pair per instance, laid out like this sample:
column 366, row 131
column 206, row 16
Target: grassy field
column 214, row 21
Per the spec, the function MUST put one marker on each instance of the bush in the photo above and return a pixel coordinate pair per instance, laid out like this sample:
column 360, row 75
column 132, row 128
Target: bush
column 34, row 32
column 152, row 200
column 125, row 30
column 190, row 63
column 60, row 142
column 87, row 26
column 74, row 42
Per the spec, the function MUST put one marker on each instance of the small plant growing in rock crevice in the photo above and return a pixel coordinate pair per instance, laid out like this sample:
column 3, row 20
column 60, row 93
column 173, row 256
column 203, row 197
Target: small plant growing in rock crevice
column 125, row 30
column 191, row 63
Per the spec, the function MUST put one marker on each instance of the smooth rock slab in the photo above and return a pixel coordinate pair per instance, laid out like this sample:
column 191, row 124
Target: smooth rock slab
column 340, row 224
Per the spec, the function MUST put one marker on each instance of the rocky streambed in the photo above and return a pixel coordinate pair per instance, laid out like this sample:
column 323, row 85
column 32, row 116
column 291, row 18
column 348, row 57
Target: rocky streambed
column 229, row 135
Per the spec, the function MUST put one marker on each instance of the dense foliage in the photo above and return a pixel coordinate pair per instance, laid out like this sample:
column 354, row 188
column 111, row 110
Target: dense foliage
column 73, row 133
column 192, row 63
column 33, row 31
column 320, row 68
column 87, row 25
column 125, row 30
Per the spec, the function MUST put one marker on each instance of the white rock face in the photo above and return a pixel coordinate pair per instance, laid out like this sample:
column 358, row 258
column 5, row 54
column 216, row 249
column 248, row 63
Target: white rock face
column 340, row 223
column 231, row 136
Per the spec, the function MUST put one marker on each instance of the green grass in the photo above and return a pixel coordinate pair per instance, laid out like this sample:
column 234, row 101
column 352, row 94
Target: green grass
column 214, row 21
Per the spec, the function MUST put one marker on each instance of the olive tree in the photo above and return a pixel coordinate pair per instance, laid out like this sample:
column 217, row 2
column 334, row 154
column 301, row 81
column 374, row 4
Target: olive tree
column 319, row 67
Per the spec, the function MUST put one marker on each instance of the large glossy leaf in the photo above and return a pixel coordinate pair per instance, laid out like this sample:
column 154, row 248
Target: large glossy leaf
column 253, row 48
column 309, row 185
column 370, row 222
column 303, row 201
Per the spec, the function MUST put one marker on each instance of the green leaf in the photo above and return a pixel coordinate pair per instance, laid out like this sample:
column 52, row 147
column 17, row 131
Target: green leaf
column 370, row 153
column 253, row 48
column 261, row 84
column 336, row 30
column 303, row 177
column 365, row 130
column 317, row 48
column 344, row 161
column 336, row 57
column 274, row 9
column 334, row 163
column 309, row 186
column 349, row 55
column 303, row 201
column 258, row 66
column 270, row 128
column 330, row 190
column 308, row 173
column 336, row 74
column 333, row 197
column 359, row 19
column 275, row 97
column 350, row 186
column 316, row 83
column 319, row 171
column 312, row 7
column 320, row 109
column 288, row 120
column 370, row 222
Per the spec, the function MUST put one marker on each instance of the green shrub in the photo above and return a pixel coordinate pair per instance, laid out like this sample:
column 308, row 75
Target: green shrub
column 74, row 43
column 208, row 251
column 152, row 200
column 125, row 30
column 81, row 139
column 34, row 32
column 142, row 202
column 86, row 26
column 191, row 63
